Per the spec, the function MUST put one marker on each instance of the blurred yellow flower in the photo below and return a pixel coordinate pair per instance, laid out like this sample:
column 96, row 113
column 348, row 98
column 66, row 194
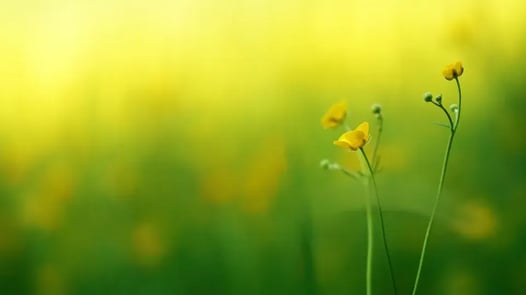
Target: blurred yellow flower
column 45, row 206
column 219, row 186
column 475, row 220
column 263, row 176
column 148, row 245
column 335, row 115
column 50, row 280
column 354, row 139
column 453, row 71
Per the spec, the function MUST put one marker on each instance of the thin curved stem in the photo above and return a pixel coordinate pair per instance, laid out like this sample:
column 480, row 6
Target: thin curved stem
column 349, row 173
column 377, row 142
column 433, row 212
column 369, row 266
column 451, row 124
column 459, row 103
column 382, row 226
column 439, row 105
column 440, row 186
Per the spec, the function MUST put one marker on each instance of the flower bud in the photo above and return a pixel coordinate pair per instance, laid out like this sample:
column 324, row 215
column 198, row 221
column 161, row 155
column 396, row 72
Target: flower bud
column 454, row 108
column 428, row 97
column 376, row 108
column 325, row 164
column 438, row 99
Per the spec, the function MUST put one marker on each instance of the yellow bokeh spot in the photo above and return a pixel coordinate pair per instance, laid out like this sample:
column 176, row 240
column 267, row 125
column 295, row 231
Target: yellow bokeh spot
column 44, row 207
column 458, row 280
column 219, row 186
column 475, row 221
column 147, row 245
column 16, row 161
column 49, row 281
column 335, row 115
column 11, row 236
column 263, row 176
column 121, row 180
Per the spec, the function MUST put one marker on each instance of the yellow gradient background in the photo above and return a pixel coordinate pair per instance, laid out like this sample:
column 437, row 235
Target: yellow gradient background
column 173, row 147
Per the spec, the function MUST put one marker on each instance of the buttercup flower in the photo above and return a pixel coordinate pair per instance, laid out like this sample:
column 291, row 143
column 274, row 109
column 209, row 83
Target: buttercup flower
column 335, row 115
column 354, row 139
column 453, row 71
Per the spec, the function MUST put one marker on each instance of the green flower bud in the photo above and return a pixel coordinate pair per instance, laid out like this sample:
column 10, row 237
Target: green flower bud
column 376, row 108
column 428, row 97
column 325, row 164
column 454, row 108
column 438, row 99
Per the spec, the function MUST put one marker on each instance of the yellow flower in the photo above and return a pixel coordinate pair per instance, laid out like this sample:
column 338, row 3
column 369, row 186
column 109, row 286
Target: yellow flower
column 354, row 139
column 453, row 71
column 335, row 115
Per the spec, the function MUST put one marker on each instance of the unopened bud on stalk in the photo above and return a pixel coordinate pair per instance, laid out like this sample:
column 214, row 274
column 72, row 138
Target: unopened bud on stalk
column 428, row 97
column 325, row 164
column 376, row 108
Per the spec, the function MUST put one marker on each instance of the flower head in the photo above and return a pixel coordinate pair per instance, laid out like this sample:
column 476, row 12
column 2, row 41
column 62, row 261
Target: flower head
column 335, row 115
column 354, row 139
column 453, row 71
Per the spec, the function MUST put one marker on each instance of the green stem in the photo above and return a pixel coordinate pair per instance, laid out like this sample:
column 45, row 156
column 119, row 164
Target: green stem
column 459, row 103
column 377, row 142
column 451, row 124
column 453, row 130
column 433, row 212
column 350, row 173
column 369, row 267
column 380, row 213
column 441, row 106
column 307, row 250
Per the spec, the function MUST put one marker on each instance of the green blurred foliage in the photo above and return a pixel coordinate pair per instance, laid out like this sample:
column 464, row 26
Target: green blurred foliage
column 172, row 147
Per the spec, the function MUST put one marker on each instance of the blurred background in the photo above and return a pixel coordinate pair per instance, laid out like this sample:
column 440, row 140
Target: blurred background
column 173, row 147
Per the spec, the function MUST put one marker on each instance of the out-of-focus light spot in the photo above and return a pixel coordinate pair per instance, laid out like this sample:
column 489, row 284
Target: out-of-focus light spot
column 43, row 207
column 41, row 211
column 148, row 246
column 263, row 176
column 16, row 162
column 460, row 281
column 461, row 31
column 220, row 186
column 59, row 181
column 49, row 281
column 120, row 180
column 475, row 220
column 10, row 236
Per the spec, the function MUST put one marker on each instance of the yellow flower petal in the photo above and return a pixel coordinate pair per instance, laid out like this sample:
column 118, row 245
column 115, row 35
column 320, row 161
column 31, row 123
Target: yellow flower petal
column 335, row 115
column 453, row 71
column 342, row 143
column 354, row 139
column 447, row 72
column 364, row 127
column 458, row 69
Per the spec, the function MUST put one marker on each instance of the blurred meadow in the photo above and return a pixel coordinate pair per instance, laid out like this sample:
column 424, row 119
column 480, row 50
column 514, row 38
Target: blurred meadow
column 173, row 147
